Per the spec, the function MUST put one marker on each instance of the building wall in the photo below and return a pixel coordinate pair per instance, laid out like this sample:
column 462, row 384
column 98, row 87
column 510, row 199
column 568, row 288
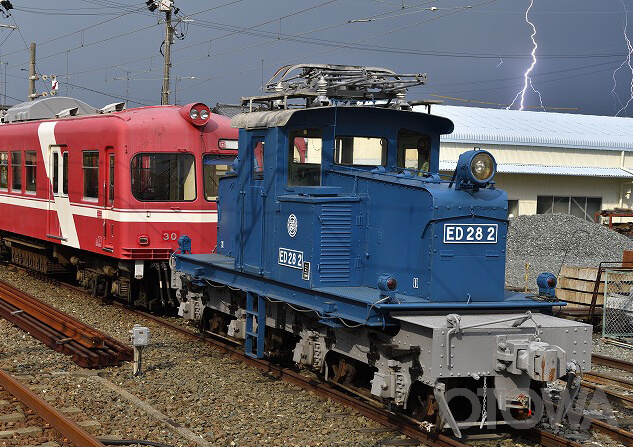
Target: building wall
column 614, row 192
column 526, row 187
column 544, row 155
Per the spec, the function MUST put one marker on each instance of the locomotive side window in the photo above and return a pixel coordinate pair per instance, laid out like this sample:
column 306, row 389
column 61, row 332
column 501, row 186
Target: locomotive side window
column 258, row 161
column 164, row 177
column 16, row 171
column 360, row 151
column 214, row 167
column 65, row 173
column 304, row 158
column 414, row 151
column 30, row 165
column 91, row 174
column 4, row 171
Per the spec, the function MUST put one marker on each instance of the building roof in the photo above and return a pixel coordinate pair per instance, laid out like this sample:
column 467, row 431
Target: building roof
column 509, row 168
column 529, row 128
column 229, row 110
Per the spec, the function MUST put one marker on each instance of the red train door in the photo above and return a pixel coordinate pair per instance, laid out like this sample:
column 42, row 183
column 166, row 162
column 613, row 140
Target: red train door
column 108, row 203
column 56, row 174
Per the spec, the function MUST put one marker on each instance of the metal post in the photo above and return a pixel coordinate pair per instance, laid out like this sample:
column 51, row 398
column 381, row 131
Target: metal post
column 32, row 73
column 168, row 33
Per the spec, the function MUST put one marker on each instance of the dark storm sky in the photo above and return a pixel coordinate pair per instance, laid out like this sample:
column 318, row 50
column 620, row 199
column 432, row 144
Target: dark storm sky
column 477, row 53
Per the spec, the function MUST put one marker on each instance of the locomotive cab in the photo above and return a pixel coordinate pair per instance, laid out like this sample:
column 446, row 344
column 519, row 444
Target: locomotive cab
column 305, row 218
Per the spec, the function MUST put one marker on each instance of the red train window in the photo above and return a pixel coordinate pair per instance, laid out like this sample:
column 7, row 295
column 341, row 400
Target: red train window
column 16, row 171
column 91, row 174
column 4, row 170
column 164, row 177
column 30, row 164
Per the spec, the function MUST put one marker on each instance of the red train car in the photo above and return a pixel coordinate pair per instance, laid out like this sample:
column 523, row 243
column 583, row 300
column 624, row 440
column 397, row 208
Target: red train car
column 108, row 192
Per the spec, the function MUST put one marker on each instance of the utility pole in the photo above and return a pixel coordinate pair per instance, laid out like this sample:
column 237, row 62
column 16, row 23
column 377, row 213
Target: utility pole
column 168, row 36
column 32, row 75
column 166, row 6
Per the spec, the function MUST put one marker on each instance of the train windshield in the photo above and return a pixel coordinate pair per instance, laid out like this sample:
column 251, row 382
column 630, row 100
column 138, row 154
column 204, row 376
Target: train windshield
column 360, row 151
column 214, row 167
column 164, row 177
column 304, row 167
column 414, row 151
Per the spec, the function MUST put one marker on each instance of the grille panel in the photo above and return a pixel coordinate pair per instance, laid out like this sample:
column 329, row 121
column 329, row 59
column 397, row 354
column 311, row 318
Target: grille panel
column 336, row 242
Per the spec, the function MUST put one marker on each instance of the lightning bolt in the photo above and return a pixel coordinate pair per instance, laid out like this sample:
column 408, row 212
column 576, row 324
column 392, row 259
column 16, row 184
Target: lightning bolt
column 626, row 62
column 526, row 75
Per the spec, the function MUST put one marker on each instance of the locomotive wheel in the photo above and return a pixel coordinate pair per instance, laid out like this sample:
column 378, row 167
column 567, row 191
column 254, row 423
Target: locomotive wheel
column 422, row 405
column 343, row 372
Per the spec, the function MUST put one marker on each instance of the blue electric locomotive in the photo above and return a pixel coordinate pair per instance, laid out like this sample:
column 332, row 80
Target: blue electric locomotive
column 342, row 248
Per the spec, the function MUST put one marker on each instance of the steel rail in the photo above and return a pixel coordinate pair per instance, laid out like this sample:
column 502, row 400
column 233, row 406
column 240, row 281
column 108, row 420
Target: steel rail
column 401, row 423
column 112, row 351
column 607, row 379
column 622, row 399
column 611, row 362
column 69, row 429
column 58, row 320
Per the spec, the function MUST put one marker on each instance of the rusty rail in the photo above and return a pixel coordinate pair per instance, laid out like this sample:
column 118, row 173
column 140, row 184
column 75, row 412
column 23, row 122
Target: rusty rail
column 54, row 318
column 69, row 429
column 611, row 362
column 17, row 311
column 401, row 423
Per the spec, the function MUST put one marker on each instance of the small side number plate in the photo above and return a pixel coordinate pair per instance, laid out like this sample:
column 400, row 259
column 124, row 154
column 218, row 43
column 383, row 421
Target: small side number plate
column 291, row 258
column 470, row 234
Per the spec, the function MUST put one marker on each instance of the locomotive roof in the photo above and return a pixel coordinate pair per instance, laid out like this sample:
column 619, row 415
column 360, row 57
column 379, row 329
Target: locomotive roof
column 278, row 118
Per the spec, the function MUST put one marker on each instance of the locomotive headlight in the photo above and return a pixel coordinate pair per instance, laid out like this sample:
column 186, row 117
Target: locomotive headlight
column 482, row 166
column 196, row 113
column 476, row 168
column 387, row 283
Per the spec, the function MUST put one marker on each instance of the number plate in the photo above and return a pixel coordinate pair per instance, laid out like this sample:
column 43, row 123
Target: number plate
column 290, row 258
column 470, row 234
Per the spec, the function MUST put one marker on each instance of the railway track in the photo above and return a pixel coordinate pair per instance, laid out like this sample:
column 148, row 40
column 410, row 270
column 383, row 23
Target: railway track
column 88, row 347
column 67, row 430
column 368, row 408
column 611, row 362
column 615, row 388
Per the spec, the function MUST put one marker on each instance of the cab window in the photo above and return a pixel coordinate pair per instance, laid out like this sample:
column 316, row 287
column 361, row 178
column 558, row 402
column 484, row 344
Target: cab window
column 304, row 158
column 164, row 177
column 214, row 167
column 258, row 160
column 414, row 152
column 360, row 151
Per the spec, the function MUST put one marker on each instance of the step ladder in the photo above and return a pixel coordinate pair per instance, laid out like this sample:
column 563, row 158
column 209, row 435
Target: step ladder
column 257, row 335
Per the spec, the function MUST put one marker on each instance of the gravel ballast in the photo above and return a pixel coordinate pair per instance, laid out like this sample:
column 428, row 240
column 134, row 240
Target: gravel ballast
column 549, row 241
column 218, row 399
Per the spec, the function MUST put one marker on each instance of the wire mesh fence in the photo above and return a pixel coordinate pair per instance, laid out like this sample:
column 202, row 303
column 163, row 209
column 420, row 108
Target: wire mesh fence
column 618, row 304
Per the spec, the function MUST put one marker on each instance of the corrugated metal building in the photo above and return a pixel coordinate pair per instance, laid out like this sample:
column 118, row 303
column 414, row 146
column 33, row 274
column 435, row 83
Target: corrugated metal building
column 548, row 162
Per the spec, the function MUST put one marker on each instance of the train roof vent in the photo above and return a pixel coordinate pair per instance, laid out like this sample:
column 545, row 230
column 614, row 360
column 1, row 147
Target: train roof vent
column 315, row 85
column 47, row 108
column 114, row 107
column 67, row 112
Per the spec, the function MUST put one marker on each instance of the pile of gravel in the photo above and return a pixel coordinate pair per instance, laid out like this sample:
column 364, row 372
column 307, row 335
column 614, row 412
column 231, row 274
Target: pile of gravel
column 548, row 241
